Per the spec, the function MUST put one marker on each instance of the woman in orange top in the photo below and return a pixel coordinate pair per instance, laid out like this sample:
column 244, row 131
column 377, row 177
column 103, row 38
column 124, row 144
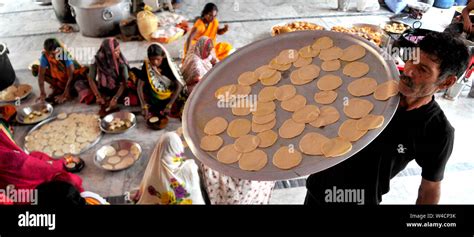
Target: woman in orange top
column 208, row 25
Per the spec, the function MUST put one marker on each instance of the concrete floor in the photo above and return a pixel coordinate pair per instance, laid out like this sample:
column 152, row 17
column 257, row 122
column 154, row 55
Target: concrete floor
column 24, row 26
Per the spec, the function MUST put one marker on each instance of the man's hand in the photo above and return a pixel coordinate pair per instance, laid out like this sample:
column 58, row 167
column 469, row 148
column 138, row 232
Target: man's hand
column 429, row 192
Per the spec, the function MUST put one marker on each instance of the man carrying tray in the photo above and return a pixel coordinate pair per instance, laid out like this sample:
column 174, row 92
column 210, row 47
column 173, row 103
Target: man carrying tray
column 419, row 130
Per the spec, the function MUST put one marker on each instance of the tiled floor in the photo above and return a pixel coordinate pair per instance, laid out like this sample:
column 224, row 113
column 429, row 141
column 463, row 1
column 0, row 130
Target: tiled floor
column 24, row 26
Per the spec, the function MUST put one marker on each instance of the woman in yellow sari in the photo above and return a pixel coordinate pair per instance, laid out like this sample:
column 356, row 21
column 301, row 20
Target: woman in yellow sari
column 208, row 25
column 160, row 85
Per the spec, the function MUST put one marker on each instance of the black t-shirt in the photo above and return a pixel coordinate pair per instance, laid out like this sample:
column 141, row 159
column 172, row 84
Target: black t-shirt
column 423, row 134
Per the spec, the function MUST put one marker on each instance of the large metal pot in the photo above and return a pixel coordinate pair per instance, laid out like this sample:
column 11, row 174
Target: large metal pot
column 63, row 11
column 99, row 18
column 7, row 74
column 42, row 2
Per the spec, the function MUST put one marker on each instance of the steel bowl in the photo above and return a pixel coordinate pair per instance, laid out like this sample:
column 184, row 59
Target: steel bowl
column 394, row 21
column 376, row 28
column 274, row 33
column 25, row 111
column 123, row 115
column 101, row 158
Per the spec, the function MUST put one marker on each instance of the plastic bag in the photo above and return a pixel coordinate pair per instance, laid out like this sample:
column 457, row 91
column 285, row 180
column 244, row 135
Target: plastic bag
column 147, row 23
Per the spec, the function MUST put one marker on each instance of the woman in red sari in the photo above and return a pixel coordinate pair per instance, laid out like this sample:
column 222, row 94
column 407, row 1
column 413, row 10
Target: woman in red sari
column 27, row 171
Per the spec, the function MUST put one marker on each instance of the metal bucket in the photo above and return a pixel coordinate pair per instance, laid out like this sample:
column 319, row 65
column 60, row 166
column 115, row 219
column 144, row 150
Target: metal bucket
column 6, row 70
column 99, row 18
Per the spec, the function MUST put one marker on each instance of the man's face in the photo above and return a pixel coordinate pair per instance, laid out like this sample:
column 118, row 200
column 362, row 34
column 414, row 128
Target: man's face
column 420, row 79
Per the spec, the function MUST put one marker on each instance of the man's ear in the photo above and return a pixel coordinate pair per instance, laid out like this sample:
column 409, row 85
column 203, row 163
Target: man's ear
column 448, row 82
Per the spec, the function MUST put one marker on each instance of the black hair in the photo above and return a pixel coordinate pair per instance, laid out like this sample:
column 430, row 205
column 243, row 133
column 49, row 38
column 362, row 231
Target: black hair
column 51, row 44
column 449, row 52
column 59, row 193
column 209, row 7
column 155, row 50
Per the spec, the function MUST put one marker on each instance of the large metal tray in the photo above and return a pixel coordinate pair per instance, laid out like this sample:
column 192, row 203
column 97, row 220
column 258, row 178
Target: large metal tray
column 51, row 119
column 18, row 98
column 202, row 105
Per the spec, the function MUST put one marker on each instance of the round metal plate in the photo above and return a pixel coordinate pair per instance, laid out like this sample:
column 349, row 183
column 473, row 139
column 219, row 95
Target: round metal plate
column 202, row 105
column 18, row 98
column 100, row 156
column 51, row 119
column 23, row 112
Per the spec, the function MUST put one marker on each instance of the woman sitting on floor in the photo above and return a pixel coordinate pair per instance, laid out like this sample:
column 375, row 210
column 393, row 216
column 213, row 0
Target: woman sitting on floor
column 169, row 177
column 109, row 77
column 26, row 171
column 208, row 25
column 60, row 71
column 160, row 84
column 198, row 62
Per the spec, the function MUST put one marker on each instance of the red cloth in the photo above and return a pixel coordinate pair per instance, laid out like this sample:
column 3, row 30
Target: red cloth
column 4, row 200
column 28, row 171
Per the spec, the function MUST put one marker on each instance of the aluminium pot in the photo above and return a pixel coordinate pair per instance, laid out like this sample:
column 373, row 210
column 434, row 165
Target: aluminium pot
column 42, row 2
column 7, row 74
column 62, row 11
column 100, row 18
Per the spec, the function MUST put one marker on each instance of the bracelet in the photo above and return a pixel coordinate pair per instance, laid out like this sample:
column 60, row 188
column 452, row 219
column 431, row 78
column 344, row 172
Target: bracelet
column 145, row 107
column 169, row 106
